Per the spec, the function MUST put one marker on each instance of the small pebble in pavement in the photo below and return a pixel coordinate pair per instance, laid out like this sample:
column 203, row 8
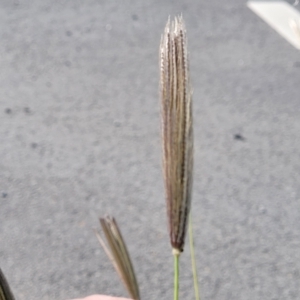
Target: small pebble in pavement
column 239, row 137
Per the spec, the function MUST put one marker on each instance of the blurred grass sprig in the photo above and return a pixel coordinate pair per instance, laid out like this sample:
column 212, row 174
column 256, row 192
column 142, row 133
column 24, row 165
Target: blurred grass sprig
column 118, row 254
column 5, row 291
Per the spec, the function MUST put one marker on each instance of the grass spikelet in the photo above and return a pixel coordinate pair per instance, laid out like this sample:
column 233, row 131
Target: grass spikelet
column 177, row 129
column 118, row 254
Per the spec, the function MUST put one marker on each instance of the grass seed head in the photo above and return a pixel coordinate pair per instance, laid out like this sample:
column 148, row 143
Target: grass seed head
column 177, row 128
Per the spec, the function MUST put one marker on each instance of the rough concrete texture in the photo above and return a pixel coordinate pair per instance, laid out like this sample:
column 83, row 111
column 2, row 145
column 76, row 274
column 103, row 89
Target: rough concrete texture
column 80, row 137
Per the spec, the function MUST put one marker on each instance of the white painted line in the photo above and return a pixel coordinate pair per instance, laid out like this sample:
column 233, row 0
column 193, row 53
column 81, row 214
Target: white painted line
column 279, row 15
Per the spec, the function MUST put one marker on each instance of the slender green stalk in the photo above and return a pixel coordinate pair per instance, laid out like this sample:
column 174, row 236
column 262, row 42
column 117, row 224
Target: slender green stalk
column 193, row 259
column 176, row 255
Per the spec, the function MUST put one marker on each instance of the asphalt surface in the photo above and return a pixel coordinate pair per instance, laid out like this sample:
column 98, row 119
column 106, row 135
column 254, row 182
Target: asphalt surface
column 80, row 137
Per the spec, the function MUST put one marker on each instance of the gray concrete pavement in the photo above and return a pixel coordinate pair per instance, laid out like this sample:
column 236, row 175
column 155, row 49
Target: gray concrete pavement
column 79, row 137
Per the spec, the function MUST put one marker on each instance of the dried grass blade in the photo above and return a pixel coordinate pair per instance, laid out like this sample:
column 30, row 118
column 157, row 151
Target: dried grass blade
column 119, row 256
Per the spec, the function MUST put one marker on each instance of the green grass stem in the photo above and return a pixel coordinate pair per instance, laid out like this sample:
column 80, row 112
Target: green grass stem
column 176, row 255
